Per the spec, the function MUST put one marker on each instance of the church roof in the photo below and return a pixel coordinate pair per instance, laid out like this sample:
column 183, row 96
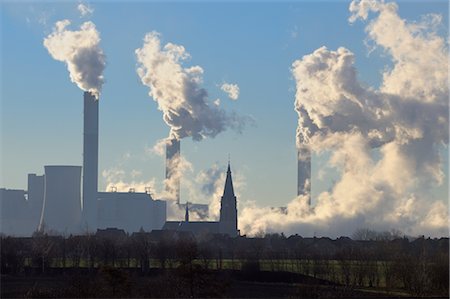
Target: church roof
column 196, row 227
column 228, row 190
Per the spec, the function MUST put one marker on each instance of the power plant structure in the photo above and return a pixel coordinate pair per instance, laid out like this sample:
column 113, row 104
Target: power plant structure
column 61, row 208
column 65, row 199
column 90, row 161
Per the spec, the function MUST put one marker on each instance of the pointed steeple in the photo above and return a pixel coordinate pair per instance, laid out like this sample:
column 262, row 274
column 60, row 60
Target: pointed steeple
column 186, row 216
column 228, row 190
column 228, row 210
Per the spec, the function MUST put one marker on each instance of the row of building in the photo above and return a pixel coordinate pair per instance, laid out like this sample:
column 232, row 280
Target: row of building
column 65, row 199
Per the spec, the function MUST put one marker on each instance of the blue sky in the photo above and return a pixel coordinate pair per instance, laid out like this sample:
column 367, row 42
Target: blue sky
column 248, row 43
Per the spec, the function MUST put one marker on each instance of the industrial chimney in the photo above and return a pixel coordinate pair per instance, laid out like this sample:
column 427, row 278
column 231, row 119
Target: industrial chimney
column 172, row 184
column 90, row 162
column 304, row 172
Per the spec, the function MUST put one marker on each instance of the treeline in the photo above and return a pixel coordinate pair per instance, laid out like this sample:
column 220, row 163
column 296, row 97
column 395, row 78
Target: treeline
column 419, row 267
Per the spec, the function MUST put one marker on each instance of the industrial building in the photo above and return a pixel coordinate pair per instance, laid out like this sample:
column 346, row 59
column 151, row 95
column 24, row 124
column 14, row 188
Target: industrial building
column 53, row 203
column 130, row 211
column 65, row 198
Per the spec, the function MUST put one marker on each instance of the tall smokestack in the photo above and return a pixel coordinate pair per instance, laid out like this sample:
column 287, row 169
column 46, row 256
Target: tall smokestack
column 304, row 172
column 90, row 161
column 172, row 168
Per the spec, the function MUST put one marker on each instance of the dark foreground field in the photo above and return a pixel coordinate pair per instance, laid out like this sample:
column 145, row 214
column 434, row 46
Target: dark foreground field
column 176, row 265
column 109, row 282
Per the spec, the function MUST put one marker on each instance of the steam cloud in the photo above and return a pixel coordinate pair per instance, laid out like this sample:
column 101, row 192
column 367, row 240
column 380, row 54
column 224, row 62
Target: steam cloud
column 178, row 92
column 205, row 186
column 85, row 9
column 384, row 141
column 232, row 90
column 81, row 52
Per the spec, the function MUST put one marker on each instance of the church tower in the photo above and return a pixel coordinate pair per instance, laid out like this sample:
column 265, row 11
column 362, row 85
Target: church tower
column 228, row 210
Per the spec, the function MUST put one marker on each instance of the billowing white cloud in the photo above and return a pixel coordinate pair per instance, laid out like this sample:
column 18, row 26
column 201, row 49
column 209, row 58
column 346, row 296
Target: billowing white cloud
column 80, row 50
column 85, row 9
column 232, row 90
column 385, row 142
column 178, row 92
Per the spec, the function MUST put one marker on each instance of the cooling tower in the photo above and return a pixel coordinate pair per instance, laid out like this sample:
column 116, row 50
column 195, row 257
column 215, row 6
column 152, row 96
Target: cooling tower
column 90, row 162
column 36, row 185
column 304, row 172
column 61, row 210
column 172, row 184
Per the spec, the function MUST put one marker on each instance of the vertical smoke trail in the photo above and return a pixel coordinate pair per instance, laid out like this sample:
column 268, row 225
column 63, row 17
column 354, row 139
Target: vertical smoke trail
column 304, row 172
column 185, row 104
column 80, row 50
column 303, row 152
column 384, row 141
column 172, row 182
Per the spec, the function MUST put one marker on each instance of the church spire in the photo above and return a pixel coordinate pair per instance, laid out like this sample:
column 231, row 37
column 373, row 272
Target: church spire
column 228, row 190
column 186, row 216
column 228, row 210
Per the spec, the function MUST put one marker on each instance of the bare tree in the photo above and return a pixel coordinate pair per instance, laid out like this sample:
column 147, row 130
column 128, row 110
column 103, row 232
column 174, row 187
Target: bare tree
column 42, row 250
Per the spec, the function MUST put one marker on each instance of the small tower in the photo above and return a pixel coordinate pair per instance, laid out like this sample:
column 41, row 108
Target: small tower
column 228, row 210
column 186, row 216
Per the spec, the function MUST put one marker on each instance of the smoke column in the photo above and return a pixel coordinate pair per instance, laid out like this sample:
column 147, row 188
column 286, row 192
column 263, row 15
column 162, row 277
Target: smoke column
column 183, row 101
column 172, row 182
column 304, row 172
column 383, row 142
column 80, row 50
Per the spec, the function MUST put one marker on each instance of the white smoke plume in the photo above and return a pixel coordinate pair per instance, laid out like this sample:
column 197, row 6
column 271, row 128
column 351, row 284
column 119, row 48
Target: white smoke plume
column 232, row 90
column 211, row 182
column 85, row 9
column 385, row 142
column 80, row 50
column 178, row 92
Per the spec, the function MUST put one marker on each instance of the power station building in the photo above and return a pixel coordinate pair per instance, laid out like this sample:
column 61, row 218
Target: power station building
column 65, row 198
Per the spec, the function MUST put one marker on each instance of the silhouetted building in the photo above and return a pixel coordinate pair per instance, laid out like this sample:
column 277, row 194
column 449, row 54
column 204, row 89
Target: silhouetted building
column 130, row 211
column 54, row 202
column 111, row 233
column 228, row 216
column 228, row 209
column 14, row 212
